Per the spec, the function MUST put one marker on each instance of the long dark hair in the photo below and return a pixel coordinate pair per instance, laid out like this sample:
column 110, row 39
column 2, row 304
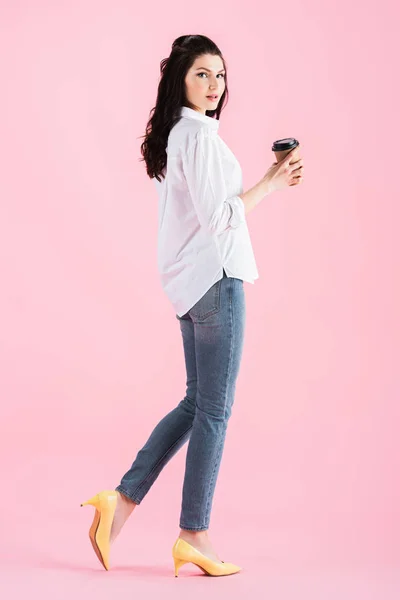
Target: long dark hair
column 171, row 96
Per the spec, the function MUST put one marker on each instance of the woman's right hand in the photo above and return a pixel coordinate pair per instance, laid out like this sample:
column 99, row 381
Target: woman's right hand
column 283, row 174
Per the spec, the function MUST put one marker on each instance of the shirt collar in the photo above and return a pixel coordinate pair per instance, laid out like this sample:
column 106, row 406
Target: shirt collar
column 190, row 113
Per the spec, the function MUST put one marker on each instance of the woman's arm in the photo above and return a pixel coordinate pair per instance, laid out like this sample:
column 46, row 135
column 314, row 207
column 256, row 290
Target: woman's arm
column 254, row 195
column 203, row 170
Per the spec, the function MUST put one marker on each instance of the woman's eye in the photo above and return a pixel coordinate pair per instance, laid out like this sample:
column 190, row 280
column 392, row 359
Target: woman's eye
column 222, row 74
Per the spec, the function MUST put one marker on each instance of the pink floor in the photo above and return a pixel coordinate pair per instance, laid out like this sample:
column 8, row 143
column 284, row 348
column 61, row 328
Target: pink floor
column 284, row 554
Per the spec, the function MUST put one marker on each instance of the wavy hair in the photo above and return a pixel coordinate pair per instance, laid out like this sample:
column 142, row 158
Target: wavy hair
column 171, row 96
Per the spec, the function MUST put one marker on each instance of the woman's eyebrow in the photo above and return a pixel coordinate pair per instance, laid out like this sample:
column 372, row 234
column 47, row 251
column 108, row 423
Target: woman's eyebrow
column 209, row 70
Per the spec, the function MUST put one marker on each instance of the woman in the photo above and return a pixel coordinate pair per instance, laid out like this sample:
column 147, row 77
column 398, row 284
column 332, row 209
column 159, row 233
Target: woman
column 204, row 256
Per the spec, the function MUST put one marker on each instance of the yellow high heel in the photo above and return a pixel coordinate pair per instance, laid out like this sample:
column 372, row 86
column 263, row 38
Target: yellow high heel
column 183, row 552
column 105, row 504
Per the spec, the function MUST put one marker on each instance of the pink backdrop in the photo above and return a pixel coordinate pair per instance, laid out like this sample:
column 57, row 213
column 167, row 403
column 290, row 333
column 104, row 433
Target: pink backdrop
column 91, row 354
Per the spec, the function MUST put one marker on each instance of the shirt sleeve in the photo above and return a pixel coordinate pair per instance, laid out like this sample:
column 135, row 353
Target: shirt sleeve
column 204, row 175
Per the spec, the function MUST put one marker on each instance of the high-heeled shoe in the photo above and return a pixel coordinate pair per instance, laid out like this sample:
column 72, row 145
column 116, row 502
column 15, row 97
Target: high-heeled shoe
column 105, row 504
column 183, row 553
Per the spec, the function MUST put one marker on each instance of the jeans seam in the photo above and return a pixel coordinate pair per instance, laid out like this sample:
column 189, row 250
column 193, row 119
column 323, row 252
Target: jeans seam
column 193, row 528
column 226, row 395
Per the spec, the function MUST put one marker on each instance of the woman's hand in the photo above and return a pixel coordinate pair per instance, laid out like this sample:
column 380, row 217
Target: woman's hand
column 283, row 174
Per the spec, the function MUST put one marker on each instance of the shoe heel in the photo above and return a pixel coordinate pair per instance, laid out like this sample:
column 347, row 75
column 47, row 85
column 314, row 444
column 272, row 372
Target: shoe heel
column 93, row 501
column 178, row 562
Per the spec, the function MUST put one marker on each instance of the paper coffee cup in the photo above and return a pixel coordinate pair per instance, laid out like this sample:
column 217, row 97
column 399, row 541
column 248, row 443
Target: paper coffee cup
column 282, row 147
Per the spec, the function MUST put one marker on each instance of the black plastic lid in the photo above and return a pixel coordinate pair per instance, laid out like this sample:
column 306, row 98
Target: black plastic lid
column 285, row 144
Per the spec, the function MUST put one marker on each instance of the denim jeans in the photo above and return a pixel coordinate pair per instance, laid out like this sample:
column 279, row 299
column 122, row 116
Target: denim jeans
column 213, row 334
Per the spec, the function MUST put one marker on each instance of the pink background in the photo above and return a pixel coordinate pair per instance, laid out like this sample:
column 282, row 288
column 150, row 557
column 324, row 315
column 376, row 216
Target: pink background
column 91, row 354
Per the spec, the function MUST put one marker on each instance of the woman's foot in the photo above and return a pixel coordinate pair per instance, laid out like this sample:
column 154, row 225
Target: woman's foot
column 200, row 541
column 123, row 509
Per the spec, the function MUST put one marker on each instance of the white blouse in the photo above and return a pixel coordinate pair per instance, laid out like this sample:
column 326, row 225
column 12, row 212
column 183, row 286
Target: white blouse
column 202, row 227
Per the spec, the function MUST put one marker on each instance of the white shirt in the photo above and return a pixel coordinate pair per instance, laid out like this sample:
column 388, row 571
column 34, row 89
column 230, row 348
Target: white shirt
column 202, row 227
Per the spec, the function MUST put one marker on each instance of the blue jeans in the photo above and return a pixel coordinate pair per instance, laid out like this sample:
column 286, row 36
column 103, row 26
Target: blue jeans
column 213, row 334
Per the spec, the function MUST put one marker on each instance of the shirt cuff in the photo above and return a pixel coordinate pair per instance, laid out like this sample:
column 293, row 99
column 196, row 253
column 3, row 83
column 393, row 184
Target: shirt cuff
column 238, row 211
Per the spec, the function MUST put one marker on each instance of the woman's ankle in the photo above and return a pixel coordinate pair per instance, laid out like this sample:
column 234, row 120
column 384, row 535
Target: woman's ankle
column 193, row 534
column 126, row 500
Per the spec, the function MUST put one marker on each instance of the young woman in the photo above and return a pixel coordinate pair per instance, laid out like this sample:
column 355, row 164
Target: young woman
column 204, row 256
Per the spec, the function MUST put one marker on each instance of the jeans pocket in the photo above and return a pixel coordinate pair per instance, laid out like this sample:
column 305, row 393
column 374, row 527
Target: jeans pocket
column 209, row 304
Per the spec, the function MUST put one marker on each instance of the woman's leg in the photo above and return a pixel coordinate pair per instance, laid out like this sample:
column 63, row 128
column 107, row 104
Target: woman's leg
column 219, row 322
column 170, row 433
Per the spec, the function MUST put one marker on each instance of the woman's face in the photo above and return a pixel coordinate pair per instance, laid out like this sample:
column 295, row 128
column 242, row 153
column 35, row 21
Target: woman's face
column 205, row 78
